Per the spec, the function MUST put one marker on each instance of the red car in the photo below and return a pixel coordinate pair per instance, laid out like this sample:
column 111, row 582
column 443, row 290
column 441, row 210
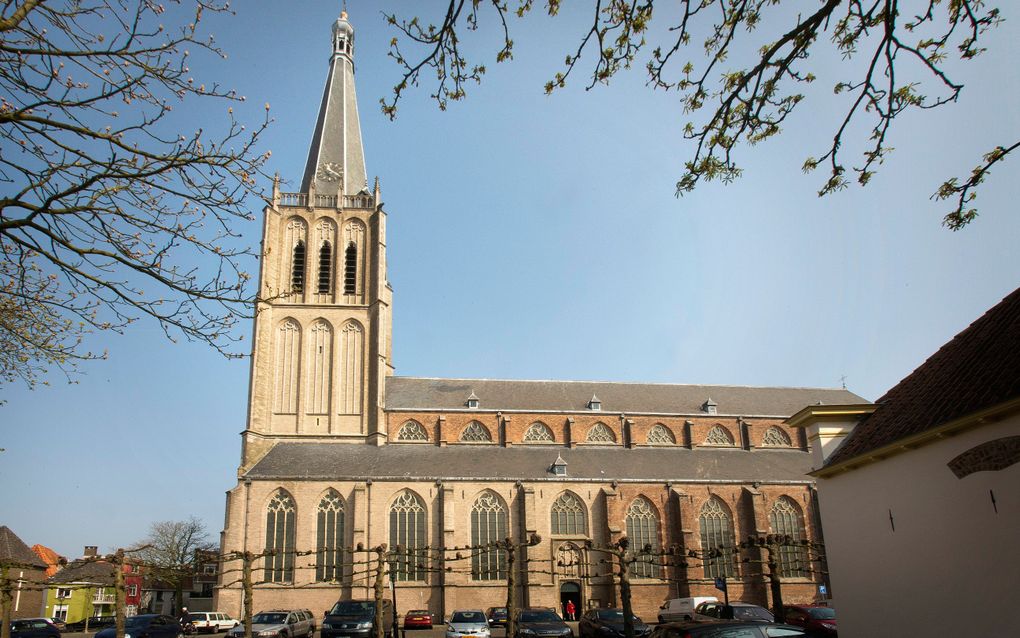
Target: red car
column 816, row 620
column 418, row 619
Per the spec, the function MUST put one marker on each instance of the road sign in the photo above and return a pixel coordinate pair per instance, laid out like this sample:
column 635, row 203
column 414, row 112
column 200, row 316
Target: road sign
column 720, row 583
column 823, row 590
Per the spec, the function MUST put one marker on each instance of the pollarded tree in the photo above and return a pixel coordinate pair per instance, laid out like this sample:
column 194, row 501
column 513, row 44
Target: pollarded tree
column 889, row 49
column 173, row 552
column 109, row 212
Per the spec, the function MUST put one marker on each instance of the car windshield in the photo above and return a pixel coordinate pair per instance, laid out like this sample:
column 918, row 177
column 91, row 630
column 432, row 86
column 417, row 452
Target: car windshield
column 822, row 613
column 744, row 613
column 614, row 615
column 498, row 611
column 136, row 621
column 468, row 616
column 196, row 616
column 539, row 616
column 353, row 608
column 417, row 612
column 269, row 619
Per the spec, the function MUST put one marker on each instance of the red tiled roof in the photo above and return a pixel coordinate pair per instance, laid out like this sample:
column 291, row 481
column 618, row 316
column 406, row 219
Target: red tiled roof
column 50, row 557
column 978, row 369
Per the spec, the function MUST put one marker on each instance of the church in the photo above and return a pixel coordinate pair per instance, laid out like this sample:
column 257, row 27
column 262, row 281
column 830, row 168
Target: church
column 339, row 452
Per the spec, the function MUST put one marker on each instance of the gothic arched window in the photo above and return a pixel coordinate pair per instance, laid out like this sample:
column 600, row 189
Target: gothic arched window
column 288, row 358
column 297, row 273
column 719, row 435
column 488, row 525
column 412, row 431
column 568, row 515
column 325, row 268
column 538, row 433
column 660, row 435
column 775, row 437
column 329, row 538
column 568, row 561
column 716, row 532
column 643, row 532
column 784, row 519
column 351, row 269
column 600, row 433
column 281, row 516
column 475, row 432
column 407, row 530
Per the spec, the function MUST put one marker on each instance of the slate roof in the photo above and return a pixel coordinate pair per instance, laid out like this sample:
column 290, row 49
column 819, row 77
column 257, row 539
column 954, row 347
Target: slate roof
column 402, row 462
column 415, row 393
column 14, row 550
column 978, row 369
column 79, row 571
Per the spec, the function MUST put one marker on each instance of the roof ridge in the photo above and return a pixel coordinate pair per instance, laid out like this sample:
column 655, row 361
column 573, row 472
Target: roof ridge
column 655, row 383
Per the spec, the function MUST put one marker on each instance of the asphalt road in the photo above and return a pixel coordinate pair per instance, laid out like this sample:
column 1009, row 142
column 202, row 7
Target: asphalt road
column 437, row 631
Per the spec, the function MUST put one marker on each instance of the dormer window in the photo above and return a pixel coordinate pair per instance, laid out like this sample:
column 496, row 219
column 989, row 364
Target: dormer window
column 472, row 401
column 594, row 403
column 709, row 407
column 559, row 466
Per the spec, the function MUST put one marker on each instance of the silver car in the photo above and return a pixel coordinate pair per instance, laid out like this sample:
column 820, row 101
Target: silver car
column 276, row 624
column 467, row 624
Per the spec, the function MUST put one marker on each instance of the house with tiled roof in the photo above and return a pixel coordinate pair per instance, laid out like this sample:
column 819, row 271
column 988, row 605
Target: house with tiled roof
column 920, row 492
column 52, row 559
column 27, row 573
column 341, row 453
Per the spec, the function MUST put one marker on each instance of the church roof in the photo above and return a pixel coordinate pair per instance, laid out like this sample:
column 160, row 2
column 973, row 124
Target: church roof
column 336, row 152
column 14, row 550
column 415, row 393
column 976, row 370
column 409, row 461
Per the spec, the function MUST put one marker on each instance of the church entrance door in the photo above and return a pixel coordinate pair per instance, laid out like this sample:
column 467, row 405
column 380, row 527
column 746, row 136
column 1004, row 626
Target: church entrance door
column 570, row 600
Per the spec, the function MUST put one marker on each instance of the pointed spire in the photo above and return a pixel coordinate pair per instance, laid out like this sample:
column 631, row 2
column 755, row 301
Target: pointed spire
column 336, row 160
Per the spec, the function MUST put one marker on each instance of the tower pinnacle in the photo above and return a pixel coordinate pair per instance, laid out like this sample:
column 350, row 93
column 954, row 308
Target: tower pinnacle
column 336, row 160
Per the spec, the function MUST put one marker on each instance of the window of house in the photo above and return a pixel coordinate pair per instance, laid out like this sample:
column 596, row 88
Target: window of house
column 716, row 532
column 407, row 530
column 643, row 532
column 297, row 274
column 412, row 431
column 475, row 432
column 329, row 536
column 351, row 269
column 568, row 515
column 784, row 518
column 488, row 525
column 281, row 516
column 325, row 268
column 539, row 433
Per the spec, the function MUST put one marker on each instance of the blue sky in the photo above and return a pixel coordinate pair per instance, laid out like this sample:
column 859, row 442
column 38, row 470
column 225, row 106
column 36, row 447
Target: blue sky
column 538, row 237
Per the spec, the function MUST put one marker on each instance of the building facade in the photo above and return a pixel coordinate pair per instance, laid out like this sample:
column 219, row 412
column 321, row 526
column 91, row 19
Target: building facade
column 26, row 573
column 339, row 455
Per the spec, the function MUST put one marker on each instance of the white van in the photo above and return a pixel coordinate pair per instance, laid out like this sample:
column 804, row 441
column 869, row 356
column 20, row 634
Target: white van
column 676, row 609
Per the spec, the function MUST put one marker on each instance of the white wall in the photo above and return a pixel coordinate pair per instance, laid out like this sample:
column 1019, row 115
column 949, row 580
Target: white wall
column 952, row 565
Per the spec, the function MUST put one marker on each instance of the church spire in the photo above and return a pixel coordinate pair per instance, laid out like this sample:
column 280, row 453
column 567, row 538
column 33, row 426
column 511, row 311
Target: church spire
column 336, row 160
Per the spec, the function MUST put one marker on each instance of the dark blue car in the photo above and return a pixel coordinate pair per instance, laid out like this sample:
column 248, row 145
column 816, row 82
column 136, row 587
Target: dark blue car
column 146, row 626
column 34, row 628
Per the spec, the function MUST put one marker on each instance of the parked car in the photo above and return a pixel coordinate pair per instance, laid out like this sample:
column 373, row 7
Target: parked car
column 468, row 624
column 418, row 619
column 676, row 609
column 278, row 623
column 34, row 628
column 817, row 620
column 496, row 616
column 94, row 624
column 58, row 623
column 534, row 622
column 725, row 629
column 355, row 619
column 608, row 623
column 212, row 621
column 733, row 611
column 147, row 626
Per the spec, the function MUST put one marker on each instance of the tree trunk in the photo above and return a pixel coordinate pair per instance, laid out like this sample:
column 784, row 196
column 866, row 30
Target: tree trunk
column 249, row 593
column 511, row 587
column 380, row 564
column 5, row 602
column 119, row 593
column 774, row 584
column 628, row 610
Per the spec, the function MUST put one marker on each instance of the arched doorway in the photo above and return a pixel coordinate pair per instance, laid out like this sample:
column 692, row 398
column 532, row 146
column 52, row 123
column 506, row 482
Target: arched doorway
column 570, row 592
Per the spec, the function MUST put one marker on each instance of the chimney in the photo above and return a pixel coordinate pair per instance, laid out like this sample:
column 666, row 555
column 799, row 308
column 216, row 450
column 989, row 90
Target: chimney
column 91, row 551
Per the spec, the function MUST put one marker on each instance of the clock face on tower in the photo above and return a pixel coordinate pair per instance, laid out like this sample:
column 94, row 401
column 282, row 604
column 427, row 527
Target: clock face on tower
column 329, row 171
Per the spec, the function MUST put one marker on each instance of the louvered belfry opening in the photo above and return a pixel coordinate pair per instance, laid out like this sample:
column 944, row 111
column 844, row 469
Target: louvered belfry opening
column 325, row 268
column 297, row 275
column 351, row 269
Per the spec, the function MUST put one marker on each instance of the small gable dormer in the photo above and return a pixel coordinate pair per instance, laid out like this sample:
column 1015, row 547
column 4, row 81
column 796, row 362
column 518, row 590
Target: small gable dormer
column 559, row 466
column 710, row 406
column 594, row 404
column 472, row 402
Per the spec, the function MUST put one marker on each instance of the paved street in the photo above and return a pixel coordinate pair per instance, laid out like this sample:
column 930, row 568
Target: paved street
column 438, row 631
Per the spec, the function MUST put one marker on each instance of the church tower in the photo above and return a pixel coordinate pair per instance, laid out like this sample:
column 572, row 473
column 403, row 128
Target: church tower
column 321, row 349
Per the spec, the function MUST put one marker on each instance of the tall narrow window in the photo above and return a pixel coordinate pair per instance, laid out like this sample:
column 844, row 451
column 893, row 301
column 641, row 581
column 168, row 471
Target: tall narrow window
column 568, row 515
column 643, row 532
column 352, row 342
column 288, row 354
column 320, row 365
column 325, row 268
column 785, row 521
column 351, row 269
column 297, row 273
column 716, row 533
column 407, row 530
column 280, row 520
column 329, row 538
column 488, row 525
